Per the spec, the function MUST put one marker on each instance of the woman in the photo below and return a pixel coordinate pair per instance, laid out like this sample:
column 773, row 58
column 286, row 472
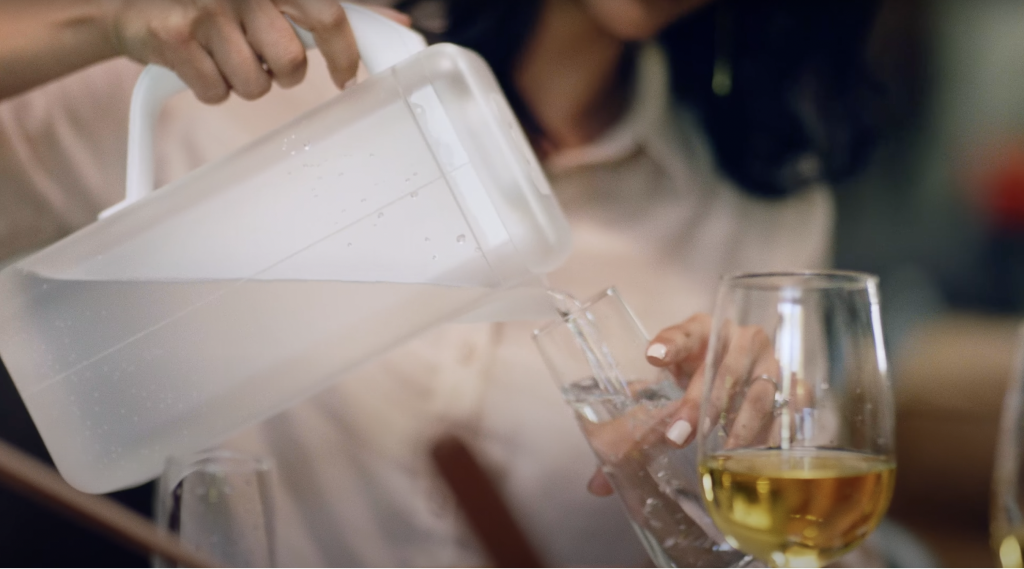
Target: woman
column 779, row 88
column 685, row 140
column 671, row 175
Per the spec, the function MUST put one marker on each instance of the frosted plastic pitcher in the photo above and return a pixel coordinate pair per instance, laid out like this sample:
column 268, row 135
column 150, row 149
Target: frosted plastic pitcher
column 186, row 314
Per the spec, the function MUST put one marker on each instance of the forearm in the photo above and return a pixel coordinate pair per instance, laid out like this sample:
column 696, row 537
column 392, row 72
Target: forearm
column 42, row 40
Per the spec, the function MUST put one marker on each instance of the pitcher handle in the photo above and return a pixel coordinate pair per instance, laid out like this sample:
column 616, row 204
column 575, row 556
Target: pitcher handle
column 381, row 42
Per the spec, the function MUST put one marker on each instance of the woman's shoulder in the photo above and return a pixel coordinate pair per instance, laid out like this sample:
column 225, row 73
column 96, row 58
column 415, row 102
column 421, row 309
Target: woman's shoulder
column 62, row 148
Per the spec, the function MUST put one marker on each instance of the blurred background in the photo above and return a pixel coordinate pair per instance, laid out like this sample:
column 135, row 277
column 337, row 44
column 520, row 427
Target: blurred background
column 939, row 216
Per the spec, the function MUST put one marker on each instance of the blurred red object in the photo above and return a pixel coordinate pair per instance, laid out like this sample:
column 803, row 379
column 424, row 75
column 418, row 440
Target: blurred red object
column 1002, row 184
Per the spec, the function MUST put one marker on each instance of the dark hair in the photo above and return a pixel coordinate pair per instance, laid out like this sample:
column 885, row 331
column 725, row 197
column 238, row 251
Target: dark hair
column 790, row 101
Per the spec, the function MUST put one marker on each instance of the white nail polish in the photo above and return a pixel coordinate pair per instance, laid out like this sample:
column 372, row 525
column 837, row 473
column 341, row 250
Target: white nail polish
column 679, row 432
column 657, row 351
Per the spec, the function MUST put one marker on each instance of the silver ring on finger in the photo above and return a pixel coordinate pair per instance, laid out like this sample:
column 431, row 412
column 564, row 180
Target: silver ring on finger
column 779, row 401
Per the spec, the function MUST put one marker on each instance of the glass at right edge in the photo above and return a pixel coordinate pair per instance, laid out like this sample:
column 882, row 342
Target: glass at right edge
column 796, row 432
column 1007, row 512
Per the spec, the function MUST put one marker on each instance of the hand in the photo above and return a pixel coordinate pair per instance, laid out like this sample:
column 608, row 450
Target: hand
column 219, row 46
column 747, row 378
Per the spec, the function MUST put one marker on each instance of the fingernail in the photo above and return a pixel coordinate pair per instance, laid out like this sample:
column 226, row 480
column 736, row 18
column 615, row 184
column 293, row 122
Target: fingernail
column 657, row 351
column 679, row 432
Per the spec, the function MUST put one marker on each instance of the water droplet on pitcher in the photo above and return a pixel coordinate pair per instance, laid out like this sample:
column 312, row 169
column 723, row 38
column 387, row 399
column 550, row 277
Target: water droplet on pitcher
column 380, row 215
column 349, row 245
column 668, row 543
column 414, row 195
column 362, row 200
column 306, row 146
column 460, row 239
column 427, row 239
column 434, row 257
column 292, row 153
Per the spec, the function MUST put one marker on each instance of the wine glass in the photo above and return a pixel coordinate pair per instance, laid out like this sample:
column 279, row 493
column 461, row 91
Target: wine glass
column 795, row 438
column 1007, row 521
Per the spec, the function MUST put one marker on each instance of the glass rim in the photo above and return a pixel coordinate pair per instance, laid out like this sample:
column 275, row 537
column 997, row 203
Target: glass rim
column 214, row 461
column 767, row 280
column 585, row 305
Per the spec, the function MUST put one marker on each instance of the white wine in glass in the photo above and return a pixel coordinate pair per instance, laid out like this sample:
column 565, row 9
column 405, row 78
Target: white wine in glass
column 796, row 434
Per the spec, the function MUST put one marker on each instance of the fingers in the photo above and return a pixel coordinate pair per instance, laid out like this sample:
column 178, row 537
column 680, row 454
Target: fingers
column 274, row 41
column 198, row 70
column 599, row 484
column 749, row 403
column 326, row 20
column 165, row 33
column 682, row 426
column 752, row 423
column 733, row 384
column 217, row 46
column 223, row 37
column 681, row 348
column 745, row 346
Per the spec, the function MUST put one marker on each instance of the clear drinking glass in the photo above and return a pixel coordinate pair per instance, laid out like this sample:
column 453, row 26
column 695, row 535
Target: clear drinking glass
column 220, row 503
column 1007, row 521
column 796, row 435
column 596, row 353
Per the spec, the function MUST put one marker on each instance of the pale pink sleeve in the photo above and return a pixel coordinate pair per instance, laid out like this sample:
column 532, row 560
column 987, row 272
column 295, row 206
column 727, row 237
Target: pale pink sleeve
column 62, row 154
